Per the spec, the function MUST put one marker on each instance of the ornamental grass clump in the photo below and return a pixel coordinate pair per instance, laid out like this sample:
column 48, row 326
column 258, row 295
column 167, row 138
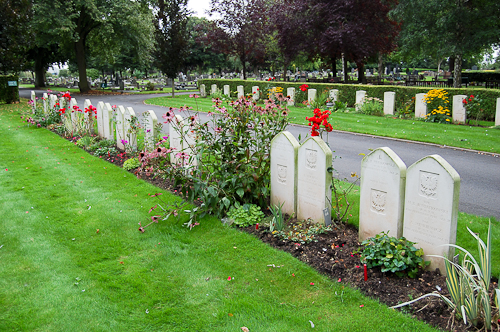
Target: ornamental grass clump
column 437, row 106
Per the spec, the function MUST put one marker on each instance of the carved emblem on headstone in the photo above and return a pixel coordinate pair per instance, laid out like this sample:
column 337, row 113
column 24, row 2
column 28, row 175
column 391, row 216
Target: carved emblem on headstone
column 428, row 184
column 311, row 158
column 378, row 200
column 282, row 174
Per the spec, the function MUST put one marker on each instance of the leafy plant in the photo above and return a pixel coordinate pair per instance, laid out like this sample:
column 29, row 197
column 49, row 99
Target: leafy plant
column 245, row 215
column 468, row 284
column 302, row 232
column 105, row 151
column 320, row 99
column 85, row 142
column 340, row 203
column 437, row 106
column 339, row 106
column 393, row 255
column 372, row 106
column 473, row 107
column 278, row 220
column 131, row 164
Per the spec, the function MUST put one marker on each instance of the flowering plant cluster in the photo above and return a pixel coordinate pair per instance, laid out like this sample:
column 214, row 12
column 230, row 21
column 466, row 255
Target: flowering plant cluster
column 320, row 118
column 301, row 96
column 437, row 106
column 472, row 105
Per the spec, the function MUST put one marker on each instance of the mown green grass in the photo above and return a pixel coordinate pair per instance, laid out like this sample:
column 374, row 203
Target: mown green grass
column 462, row 136
column 55, row 197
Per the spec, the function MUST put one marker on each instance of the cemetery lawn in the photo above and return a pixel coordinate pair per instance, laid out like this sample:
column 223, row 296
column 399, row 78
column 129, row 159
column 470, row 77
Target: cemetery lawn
column 74, row 260
column 461, row 136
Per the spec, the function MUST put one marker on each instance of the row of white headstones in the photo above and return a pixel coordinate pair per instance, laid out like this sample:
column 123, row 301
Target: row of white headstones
column 111, row 124
column 420, row 203
column 459, row 113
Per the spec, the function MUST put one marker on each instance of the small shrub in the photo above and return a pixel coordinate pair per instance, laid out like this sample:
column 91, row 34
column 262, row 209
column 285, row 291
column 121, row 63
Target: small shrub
column 150, row 86
column 85, row 142
column 393, row 255
column 302, row 232
column 372, row 106
column 105, row 151
column 131, row 163
column 246, row 215
column 437, row 106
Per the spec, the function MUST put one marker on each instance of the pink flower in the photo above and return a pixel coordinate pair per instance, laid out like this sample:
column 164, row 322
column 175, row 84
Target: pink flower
column 169, row 115
column 228, row 278
column 340, row 279
column 312, row 283
column 361, row 306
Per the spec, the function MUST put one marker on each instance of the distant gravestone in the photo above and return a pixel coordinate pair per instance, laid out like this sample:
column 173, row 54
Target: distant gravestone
column 284, row 153
column 227, row 92
column 459, row 112
column 120, row 130
column 241, row 91
column 130, row 134
column 431, row 208
column 389, row 102
column 213, row 89
column 382, row 190
column 497, row 115
column 45, row 102
column 100, row 124
column 151, row 122
column 255, row 93
column 33, row 100
column 107, row 122
column 334, row 95
column 311, row 95
column 420, row 106
column 203, row 91
column 360, row 99
column 474, row 67
column 174, row 133
column 290, row 92
column 314, row 178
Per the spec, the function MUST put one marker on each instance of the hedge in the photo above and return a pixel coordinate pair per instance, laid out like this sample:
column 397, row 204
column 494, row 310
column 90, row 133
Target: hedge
column 9, row 94
column 347, row 92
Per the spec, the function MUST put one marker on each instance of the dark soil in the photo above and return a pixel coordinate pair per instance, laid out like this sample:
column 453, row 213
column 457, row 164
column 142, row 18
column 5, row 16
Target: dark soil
column 334, row 255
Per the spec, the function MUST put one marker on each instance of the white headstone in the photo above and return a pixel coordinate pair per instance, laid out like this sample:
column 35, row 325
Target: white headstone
column 130, row 135
column 226, row 90
column 53, row 102
column 87, row 103
column 431, row 208
column 100, row 125
column 174, row 133
column 497, row 115
column 74, row 114
column 151, row 122
column 213, row 89
column 120, row 127
column 389, row 102
column 334, row 95
column 107, row 122
column 459, row 112
column 382, row 194
column 290, row 92
column 255, row 93
column 45, row 103
column 360, row 99
column 314, row 178
column 311, row 95
column 33, row 99
column 284, row 153
column 241, row 91
column 420, row 106
column 203, row 91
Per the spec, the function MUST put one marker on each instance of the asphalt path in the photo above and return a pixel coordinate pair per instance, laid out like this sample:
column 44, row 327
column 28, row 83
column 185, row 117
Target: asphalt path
column 479, row 172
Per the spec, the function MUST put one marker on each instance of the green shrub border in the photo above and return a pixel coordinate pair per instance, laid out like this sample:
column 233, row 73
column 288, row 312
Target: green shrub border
column 347, row 92
column 9, row 94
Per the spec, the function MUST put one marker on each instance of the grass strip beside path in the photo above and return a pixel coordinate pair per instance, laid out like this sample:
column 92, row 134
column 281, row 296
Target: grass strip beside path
column 73, row 259
column 461, row 136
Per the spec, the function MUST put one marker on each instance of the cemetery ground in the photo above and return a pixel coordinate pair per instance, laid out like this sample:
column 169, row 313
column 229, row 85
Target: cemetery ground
column 482, row 137
column 73, row 259
column 87, row 229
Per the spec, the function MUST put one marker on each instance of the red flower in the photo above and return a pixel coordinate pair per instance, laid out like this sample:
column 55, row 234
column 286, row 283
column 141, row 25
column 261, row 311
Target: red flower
column 304, row 87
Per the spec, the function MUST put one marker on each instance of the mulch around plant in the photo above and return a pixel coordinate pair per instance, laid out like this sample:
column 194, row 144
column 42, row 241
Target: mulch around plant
column 334, row 255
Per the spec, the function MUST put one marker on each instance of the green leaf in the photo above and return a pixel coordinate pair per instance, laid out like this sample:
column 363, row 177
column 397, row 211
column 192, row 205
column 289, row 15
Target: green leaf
column 226, row 202
column 240, row 192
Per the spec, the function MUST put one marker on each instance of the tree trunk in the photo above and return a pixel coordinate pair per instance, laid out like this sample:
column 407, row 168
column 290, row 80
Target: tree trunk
column 334, row 66
column 361, row 72
column 82, row 65
column 344, row 68
column 173, row 87
column 380, row 64
column 39, row 73
column 451, row 63
column 457, row 72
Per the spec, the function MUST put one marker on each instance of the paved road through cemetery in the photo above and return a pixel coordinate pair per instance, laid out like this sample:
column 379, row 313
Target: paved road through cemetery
column 480, row 173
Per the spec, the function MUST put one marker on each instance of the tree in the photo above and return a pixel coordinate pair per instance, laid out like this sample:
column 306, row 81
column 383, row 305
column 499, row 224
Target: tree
column 237, row 29
column 15, row 35
column 171, row 36
column 448, row 28
column 72, row 23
